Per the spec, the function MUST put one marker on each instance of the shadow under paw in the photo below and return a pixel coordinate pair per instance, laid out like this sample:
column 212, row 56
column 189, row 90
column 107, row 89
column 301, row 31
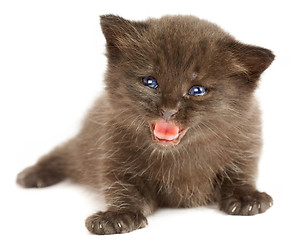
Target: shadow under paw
column 246, row 205
column 110, row 222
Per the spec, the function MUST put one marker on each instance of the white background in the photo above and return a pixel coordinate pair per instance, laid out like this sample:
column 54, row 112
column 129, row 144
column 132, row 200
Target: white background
column 51, row 69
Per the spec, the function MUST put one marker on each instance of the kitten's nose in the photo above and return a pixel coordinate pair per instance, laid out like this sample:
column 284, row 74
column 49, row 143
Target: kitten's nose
column 168, row 114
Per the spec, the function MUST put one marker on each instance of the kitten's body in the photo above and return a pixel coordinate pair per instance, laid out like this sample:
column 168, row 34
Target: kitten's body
column 216, row 157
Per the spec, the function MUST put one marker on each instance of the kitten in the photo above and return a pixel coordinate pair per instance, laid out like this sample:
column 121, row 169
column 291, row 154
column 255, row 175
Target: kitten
column 178, row 125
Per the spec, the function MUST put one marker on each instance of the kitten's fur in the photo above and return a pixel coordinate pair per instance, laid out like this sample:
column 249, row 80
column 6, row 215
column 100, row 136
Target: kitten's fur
column 215, row 161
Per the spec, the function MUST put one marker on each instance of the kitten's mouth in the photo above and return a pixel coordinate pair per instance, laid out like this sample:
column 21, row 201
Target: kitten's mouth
column 166, row 133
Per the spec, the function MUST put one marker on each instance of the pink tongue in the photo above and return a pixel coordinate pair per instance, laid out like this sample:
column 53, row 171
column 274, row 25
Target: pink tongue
column 166, row 131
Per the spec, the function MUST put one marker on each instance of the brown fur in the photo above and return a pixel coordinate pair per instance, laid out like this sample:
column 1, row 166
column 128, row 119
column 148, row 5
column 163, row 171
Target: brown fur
column 216, row 160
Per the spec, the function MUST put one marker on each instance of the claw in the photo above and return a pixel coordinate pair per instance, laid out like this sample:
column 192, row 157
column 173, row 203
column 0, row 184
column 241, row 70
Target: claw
column 119, row 225
column 93, row 226
column 234, row 209
column 100, row 225
column 250, row 208
column 39, row 184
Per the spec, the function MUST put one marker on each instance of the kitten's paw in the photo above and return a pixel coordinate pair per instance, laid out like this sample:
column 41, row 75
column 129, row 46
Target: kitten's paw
column 35, row 177
column 246, row 205
column 103, row 223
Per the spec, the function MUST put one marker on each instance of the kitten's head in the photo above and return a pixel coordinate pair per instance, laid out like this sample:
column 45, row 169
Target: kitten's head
column 176, row 78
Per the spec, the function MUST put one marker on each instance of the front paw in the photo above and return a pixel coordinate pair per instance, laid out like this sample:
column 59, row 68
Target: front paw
column 103, row 223
column 246, row 204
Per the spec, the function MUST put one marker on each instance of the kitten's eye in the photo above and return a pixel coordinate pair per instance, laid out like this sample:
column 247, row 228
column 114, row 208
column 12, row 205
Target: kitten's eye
column 197, row 91
column 150, row 82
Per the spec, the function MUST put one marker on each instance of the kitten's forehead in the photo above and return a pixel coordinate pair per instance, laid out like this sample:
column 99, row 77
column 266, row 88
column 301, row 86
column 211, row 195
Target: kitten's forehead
column 184, row 47
column 189, row 28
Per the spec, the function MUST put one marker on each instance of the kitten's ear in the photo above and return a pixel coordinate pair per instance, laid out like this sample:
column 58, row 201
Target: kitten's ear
column 119, row 32
column 114, row 27
column 254, row 59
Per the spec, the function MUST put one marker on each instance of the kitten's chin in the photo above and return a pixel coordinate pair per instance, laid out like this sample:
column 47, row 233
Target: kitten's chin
column 166, row 133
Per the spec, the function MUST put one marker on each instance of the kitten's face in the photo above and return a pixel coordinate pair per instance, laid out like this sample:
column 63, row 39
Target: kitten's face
column 178, row 78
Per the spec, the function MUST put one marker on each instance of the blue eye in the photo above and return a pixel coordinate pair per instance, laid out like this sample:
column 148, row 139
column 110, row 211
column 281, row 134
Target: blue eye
column 150, row 82
column 197, row 91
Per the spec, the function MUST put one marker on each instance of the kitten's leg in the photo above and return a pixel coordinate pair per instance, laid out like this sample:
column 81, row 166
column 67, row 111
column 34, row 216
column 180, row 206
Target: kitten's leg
column 129, row 204
column 239, row 196
column 49, row 170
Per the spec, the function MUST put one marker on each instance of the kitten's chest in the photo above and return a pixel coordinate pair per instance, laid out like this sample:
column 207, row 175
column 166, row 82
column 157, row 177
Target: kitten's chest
column 186, row 190
column 183, row 180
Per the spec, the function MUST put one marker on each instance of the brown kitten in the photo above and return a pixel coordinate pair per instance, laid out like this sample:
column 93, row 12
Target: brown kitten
column 178, row 125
